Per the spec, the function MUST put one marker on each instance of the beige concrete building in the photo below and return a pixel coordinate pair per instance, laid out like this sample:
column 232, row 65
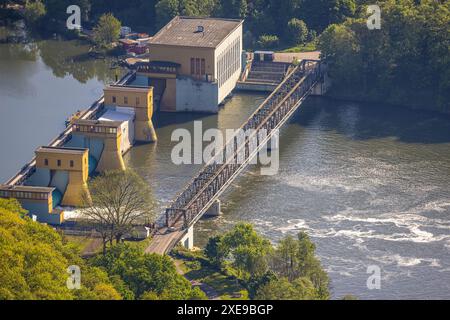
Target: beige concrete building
column 37, row 200
column 132, row 100
column 194, row 63
column 105, row 141
column 66, row 169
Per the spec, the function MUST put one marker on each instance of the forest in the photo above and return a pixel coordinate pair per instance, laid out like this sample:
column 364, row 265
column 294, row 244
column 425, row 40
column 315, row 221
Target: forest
column 405, row 62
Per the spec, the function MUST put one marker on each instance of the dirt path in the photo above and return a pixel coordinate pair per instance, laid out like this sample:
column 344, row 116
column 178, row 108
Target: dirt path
column 210, row 292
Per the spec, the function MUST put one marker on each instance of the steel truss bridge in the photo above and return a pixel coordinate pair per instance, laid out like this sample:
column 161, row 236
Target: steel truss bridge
column 217, row 175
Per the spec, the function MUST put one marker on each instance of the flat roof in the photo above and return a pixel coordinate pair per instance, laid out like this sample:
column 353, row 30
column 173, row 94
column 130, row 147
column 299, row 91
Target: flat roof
column 60, row 150
column 183, row 31
column 98, row 123
column 117, row 87
column 7, row 187
column 116, row 116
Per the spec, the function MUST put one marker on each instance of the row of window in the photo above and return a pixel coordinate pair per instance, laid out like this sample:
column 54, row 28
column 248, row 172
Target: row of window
column 24, row 195
column 125, row 100
column 96, row 129
column 229, row 61
column 59, row 162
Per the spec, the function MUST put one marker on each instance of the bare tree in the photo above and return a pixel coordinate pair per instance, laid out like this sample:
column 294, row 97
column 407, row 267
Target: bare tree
column 118, row 200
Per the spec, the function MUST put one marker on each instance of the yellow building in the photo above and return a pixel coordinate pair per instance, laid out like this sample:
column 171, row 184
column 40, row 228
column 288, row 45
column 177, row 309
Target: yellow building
column 136, row 100
column 105, row 141
column 66, row 169
column 194, row 63
column 37, row 200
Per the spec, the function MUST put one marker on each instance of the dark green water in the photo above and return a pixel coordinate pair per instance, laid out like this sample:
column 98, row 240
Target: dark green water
column 369, row 183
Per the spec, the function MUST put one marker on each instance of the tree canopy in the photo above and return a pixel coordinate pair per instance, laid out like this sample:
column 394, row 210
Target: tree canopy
column 35, row 260
column 146, row 276
column 116, row 202
column 406, row 62
column 289, row 270
column 107, row 30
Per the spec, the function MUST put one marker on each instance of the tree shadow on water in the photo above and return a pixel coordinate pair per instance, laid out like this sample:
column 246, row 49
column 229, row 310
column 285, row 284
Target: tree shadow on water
column 362, row 121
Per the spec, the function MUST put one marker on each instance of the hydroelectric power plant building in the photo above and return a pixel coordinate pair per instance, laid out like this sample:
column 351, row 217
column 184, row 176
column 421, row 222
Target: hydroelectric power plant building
column 194, row 65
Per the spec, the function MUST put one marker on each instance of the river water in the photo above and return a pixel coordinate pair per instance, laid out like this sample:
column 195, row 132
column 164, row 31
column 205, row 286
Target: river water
column 369, row 183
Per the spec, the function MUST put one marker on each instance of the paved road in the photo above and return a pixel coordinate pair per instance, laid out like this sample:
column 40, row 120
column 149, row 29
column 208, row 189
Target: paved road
column 163, row 239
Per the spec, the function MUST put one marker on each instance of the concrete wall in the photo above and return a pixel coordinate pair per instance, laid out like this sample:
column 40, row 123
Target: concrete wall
column 77, row 174
column 41, row 211
column 196, row 96
column 141, row 80
column 40, row 178
column 188, row 240
column 60, row 180
column 169, row 98
column 81, row 140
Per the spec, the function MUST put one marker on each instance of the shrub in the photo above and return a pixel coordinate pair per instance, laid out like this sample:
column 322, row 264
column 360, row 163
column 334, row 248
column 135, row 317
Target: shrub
column 268, row 41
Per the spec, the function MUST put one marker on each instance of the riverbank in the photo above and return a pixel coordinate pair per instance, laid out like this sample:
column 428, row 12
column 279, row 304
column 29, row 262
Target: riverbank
column 344, row 95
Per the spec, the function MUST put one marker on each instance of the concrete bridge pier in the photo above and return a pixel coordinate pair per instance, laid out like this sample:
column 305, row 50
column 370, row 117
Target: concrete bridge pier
column 214, row 210
column 322, row 87
column 188, row 239
column 274, row 142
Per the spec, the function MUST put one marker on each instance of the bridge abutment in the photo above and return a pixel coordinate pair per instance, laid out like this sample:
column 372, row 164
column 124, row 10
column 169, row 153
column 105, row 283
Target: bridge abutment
column 274, row 142
column 188, row 239
column 214, row 210
column 322, row 87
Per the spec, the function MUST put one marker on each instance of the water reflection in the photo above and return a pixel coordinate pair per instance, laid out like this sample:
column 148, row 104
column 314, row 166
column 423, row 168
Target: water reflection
column 41, row 84
column 72, row 59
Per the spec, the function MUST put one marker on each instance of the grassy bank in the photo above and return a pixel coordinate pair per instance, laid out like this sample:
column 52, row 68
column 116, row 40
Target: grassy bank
column 216, row 283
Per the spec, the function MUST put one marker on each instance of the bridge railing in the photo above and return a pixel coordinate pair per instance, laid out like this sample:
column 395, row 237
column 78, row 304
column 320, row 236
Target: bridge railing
column 217, row 174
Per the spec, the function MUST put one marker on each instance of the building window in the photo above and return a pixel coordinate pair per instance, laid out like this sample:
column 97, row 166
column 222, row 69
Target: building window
column 114, row 99
column 59, row 163
column 46, row 162
column 197, row 66
column 192, row 66
column 71, row 163
column 137, row 101
column 125, row 100
column 203, row 67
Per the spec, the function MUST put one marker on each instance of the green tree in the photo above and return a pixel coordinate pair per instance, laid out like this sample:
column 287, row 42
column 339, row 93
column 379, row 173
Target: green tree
column 233, row 8
column 35, row 260
column 216, row 251
column 283, row 289
column 118, row 200
column 13, row 205
column 166, row 10
column 297, row 32
column 406, row 62
column 295, row 258
column 268, row 41
column 339, row 46
column 34, row 11
column 318, row 14
column 245, row 250
column 107, row 30
column 146, row 275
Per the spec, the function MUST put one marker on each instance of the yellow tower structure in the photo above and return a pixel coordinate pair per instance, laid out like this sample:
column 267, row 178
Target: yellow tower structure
column 139, row 99
column 110, row 134
column 73, row 166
